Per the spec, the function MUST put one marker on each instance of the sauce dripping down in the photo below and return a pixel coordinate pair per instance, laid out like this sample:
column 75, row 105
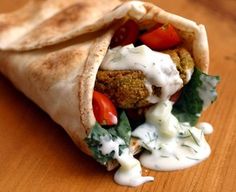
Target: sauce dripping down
column 171, row 145
column 130, row 171
column 158, row 68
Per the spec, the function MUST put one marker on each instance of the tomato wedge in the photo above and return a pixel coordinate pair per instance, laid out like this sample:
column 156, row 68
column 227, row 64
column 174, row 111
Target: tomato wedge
column 126, row 34
column 175, row 96
column 161, row 38
column 103, row 109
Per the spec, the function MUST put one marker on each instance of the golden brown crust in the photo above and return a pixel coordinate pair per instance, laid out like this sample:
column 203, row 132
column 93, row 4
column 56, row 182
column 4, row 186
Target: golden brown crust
column 46, row 23
column 15, row 25
column 125, row 88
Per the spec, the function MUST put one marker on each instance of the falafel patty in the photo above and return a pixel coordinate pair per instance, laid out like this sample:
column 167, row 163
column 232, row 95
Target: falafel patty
column 126, row 88
column 184, row 62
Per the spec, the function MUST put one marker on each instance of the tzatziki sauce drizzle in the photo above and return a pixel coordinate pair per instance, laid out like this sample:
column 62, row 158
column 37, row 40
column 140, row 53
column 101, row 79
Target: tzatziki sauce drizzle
column 130, row 171
column 170, row 144
column 158, row 68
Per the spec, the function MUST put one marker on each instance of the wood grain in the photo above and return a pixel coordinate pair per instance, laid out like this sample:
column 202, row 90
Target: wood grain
column 37, row 155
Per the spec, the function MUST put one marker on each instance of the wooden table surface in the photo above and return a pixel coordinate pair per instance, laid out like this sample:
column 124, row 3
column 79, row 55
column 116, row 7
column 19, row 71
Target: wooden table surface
column 37, row 155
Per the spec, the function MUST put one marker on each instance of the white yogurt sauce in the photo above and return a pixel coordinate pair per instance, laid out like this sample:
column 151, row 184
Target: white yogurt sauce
column 205, row 91
column 205, row 127
column 158, row 68
column 173, row 145
column 130, row 171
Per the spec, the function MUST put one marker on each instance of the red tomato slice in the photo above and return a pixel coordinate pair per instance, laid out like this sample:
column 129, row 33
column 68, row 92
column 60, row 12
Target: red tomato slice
column 126, row 34
column 176, row 96
column 103, row 109
column 164, row 37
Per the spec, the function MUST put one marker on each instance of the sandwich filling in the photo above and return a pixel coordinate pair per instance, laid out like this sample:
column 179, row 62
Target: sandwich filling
column 157, row 94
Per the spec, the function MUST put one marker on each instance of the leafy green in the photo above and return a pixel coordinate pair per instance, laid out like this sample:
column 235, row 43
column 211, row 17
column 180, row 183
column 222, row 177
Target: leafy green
column 121, row 130
column 196, row 95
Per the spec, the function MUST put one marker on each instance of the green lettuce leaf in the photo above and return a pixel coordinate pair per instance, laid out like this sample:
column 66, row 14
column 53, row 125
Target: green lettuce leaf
column 121, row 130
column 199, row 93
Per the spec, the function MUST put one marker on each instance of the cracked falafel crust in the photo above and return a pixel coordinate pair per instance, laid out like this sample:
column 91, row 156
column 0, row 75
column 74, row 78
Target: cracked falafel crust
column 126, row 88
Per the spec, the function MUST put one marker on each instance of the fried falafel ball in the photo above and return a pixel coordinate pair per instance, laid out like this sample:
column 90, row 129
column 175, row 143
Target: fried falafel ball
column 184, row 62
column 127, row 88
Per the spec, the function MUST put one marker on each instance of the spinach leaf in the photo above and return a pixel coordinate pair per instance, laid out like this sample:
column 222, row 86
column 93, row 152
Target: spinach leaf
column 196, row 95
column 121, row 130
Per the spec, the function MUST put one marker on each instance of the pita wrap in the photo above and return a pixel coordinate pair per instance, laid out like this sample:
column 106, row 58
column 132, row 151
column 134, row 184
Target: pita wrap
column 52, row 52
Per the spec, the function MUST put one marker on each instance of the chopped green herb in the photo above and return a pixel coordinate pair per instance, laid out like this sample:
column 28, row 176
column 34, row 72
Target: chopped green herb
column 183, row 135
column 185, row 145
column 176, row 157
column 192, row 158
column 164, row 156
column 195, row 139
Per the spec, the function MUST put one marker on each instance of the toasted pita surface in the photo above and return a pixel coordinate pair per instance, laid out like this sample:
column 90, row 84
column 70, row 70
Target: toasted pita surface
column 14, row 25
column 53, row 51
column 47, row 22
column 82, row 17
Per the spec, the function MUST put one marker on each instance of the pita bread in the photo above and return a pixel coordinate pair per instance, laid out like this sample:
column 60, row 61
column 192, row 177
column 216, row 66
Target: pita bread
column 53, row 52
